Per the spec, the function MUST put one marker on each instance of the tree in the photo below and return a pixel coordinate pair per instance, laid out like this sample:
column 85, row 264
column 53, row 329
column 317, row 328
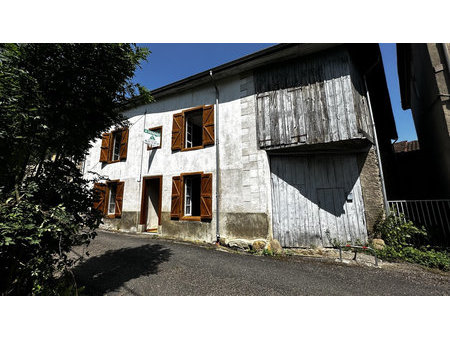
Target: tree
column 54, row 100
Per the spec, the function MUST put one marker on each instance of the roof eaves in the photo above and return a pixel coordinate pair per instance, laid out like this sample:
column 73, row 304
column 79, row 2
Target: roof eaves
column 275, row 53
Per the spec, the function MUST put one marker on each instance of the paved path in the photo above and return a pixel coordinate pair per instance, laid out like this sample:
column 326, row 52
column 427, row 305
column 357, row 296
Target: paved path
column 122, row 264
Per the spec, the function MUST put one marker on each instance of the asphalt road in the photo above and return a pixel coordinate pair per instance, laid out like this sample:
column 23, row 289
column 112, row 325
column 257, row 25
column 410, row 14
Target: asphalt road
column 122, row 264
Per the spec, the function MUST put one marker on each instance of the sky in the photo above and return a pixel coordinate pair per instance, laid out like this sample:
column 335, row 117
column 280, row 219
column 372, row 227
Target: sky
column 169, row 62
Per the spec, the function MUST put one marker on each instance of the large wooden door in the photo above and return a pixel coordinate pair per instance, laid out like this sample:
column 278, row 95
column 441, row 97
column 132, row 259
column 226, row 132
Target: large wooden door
column 315, row 199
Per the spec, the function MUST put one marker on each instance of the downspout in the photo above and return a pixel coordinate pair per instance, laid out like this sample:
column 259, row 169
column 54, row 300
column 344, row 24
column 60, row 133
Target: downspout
column 446, row 56
column 216, row 132
column 139, row 179
column 375, row 136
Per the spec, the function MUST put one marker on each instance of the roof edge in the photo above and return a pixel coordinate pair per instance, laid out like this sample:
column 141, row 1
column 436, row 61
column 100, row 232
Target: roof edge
column 272, row 54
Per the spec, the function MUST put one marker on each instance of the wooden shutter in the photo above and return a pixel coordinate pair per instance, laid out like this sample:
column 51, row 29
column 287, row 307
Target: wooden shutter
column 206, row 197
column 124, row 145
column 100, row 197
column 104, row 152
column 175, row 211
column 177, row 131
column 119, row 199
column 208, row 125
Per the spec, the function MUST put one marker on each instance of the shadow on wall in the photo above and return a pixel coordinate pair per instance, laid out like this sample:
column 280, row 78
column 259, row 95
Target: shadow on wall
column 110, row 271
column 326, row 181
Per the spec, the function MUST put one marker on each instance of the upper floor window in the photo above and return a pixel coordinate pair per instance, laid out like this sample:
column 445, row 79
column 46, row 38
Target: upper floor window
column 114, row 146
column 193, row 128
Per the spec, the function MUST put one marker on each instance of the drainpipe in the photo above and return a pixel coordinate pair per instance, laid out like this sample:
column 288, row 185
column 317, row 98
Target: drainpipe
column 446, row 56
column 217, row 155
column 383, row 187
column 139, row 179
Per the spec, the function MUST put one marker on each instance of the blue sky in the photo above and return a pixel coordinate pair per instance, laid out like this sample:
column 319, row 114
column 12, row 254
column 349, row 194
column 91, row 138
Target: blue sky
column 170, row 62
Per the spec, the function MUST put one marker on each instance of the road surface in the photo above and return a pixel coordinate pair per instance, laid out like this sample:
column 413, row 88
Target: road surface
column 125, row 264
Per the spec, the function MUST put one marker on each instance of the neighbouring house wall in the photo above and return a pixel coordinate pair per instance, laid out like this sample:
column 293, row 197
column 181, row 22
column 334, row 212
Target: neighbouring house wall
column 431, row 114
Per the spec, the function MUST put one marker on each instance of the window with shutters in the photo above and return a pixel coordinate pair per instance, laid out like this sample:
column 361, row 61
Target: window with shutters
column 193, row 128
column 192, row 196
column 114, row 146
column 108, row 198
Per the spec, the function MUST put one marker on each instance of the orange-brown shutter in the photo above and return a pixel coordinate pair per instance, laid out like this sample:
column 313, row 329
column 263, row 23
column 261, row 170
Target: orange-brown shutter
column 119, row 199
column 175, row 210
column 104, row 152
column 99, row 197
column 208, row 125
column 206, row 197
column 177, row 131
column 124, row 145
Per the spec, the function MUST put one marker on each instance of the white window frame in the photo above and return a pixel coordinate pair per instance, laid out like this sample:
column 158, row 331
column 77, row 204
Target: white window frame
column 116, row 146
column 112, row 198
column 189, row 130
column 188, row 196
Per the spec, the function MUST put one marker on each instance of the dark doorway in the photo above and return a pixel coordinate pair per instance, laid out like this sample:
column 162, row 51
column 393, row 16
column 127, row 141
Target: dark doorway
column 151, row 203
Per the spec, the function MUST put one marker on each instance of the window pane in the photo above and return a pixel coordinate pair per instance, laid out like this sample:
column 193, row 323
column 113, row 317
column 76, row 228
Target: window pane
column 116, row 148
column 192, row 187
column 187, row 196
column 112, row 199
column 193, row 129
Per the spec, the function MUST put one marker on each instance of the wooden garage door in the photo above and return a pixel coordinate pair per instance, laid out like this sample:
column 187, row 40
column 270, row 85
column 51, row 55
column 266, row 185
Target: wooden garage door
column 316, row 194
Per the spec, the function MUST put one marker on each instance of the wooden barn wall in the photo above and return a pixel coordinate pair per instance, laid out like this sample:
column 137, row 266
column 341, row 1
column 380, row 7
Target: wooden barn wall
column 309, row 101
column 311, row 205
column 360, row 102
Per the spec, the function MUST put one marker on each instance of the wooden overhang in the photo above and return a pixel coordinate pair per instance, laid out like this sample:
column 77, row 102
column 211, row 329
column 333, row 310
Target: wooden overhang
column 365, row 56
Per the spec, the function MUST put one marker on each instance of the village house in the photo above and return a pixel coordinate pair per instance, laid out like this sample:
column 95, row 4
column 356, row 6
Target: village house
column 278, row 144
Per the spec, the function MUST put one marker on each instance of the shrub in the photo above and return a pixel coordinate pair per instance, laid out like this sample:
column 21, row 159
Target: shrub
column 407, row 242
column 38, row 230
column 398, row 233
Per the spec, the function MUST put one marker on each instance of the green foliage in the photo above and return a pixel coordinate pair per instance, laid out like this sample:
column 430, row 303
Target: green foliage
column 38, row 230
column 268, row 252
column 398, row 233
column 54, row 100
column 407, row 242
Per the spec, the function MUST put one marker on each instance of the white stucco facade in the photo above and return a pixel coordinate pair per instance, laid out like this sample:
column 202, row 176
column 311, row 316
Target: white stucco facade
column 244, row 187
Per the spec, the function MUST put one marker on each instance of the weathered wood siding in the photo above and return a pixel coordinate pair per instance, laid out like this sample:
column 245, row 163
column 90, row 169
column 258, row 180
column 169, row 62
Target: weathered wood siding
column 310, row 101
column 313, row 194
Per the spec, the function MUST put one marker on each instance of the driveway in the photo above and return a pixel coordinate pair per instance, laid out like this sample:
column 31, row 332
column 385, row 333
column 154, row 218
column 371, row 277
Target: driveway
column 123, row 264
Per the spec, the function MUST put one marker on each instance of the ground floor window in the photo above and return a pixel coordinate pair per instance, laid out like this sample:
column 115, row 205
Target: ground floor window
column 192, row 187
column 192, row 196
column 112, row 198
column 108, row 198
